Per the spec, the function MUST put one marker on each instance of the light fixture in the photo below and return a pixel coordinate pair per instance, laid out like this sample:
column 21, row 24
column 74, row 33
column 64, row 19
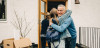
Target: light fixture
column 77, row 2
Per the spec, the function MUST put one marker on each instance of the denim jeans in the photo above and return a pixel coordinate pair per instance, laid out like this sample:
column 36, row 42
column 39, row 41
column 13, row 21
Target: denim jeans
column 67, row 42
column 43, row 42
column 73, row 42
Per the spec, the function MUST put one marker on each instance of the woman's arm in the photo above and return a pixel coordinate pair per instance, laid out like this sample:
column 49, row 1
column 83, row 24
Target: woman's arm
column 63, row 26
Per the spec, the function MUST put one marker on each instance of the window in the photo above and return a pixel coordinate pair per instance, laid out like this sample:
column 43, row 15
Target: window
column 43, row 6
column 2, row 10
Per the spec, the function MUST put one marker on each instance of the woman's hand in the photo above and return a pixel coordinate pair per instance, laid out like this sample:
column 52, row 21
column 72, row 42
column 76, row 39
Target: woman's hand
column 50, row 21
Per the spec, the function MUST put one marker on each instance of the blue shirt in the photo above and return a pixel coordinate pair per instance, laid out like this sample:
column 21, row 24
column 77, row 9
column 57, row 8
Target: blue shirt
column 67, row 24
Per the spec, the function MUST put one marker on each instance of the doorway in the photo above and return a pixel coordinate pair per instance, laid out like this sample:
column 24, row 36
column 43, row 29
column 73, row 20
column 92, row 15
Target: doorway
column 53, row 4
column 45, row 6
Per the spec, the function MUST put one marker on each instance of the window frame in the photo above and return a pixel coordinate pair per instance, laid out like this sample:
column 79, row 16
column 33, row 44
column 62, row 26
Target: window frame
column 5, row 19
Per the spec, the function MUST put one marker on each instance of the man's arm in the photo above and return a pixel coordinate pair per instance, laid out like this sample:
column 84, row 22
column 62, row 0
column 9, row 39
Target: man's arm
column 66, row 15
column 62, row 27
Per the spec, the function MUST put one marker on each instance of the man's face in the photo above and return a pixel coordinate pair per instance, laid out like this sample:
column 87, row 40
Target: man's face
column 60, row 11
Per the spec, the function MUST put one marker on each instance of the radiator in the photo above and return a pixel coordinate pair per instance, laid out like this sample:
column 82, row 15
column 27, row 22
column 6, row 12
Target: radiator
column 89, row 36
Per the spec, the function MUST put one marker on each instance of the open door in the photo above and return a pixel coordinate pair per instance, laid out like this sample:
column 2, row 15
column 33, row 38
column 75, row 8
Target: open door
column 46, row 6
column 42, row 12
column 55, row 3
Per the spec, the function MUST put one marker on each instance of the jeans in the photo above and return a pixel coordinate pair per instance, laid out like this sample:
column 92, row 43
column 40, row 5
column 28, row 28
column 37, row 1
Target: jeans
column 73, row 42
column 43, row 42
column 67, row 42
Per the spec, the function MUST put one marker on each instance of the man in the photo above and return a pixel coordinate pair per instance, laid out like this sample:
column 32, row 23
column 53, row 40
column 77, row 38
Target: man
column 66, row 24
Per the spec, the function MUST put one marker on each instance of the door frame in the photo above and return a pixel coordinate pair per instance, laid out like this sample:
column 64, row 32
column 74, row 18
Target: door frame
column 39, row 19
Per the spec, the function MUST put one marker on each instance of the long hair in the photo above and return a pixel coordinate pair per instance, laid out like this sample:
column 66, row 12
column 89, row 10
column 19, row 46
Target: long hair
column 53, row 14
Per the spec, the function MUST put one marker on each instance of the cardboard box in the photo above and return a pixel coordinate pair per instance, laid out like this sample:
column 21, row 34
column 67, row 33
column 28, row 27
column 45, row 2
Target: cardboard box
column 22, row 43
column 8, row 43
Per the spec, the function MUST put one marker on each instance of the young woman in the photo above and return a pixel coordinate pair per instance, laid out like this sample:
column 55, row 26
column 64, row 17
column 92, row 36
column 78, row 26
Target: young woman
column 44, row 25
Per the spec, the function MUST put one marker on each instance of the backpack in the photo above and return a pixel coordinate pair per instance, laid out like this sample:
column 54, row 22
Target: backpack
column 52, row 35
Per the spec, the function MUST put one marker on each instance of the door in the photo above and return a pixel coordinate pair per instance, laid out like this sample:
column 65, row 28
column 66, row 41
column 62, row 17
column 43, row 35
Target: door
column 42, row 12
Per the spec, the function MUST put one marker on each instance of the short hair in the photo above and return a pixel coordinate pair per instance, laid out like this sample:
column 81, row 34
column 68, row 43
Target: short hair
column 61, row 5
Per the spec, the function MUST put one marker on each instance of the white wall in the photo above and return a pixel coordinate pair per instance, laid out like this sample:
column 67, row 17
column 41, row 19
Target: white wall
column 30, row 8
column 85, row 14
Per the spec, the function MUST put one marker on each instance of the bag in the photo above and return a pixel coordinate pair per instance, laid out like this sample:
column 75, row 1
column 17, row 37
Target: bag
column 52, row 35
